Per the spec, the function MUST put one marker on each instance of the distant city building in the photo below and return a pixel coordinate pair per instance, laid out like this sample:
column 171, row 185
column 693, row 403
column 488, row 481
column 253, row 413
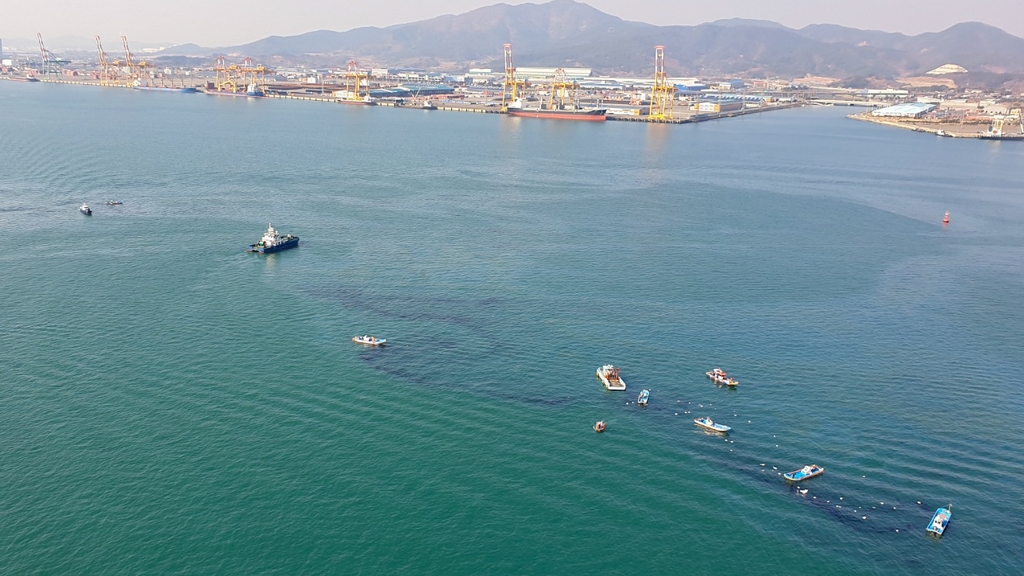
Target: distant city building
column 947, row 69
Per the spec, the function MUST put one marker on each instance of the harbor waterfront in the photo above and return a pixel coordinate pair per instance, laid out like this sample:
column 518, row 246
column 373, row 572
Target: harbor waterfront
column 173, row 403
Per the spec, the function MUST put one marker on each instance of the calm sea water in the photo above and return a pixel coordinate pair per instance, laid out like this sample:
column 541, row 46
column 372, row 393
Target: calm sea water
column 172, row 404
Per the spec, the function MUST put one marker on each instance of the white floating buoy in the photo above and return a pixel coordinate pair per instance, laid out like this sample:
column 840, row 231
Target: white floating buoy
column 762, row 464
column 897, row 529
column 677, row 413
column 863, row 517
column 748, row 421
column 882, row 503
column 840, row 497
column 918, row 501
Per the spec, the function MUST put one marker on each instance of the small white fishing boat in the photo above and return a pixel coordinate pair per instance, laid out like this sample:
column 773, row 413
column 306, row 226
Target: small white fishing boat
column 718, row 376
column 609, row 376
column 369, row 340
column 804, row 473
column 84, row 209
column 709, row 424
column 940, row 520
column 645, row 395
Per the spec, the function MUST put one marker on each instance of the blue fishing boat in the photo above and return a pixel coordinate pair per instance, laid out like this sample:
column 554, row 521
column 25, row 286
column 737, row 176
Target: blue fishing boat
column 709, row 424
column 805, row 473
column 645, row 394
column 940, row 520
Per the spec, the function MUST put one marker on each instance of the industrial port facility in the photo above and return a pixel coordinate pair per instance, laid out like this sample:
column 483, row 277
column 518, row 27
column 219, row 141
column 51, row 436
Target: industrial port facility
column 530, row 92
column 555, row 93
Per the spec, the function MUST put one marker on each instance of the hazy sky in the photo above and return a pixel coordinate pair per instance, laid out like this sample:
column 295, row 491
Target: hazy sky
column 229, row 22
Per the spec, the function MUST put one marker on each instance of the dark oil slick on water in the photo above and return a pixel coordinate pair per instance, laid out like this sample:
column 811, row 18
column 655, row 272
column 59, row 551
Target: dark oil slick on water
column 171, row 403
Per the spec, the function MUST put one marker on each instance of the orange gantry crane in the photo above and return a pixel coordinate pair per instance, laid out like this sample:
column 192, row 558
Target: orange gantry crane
column 109, row 69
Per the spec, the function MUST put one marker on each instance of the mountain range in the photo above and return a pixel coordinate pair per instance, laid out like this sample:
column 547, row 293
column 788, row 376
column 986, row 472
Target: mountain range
column 569, row 33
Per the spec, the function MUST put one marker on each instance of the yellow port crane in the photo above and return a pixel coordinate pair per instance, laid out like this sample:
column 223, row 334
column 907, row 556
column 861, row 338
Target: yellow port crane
column 663, row 93
column 254, row 76
column 564, row 90
column 226, row 76
column 356, row 83
column 511, row 89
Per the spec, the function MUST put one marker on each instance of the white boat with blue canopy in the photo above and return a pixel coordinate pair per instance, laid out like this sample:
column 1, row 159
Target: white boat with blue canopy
column 940, row 520
column 805, row 473
column 709, row 424
column 645, row 395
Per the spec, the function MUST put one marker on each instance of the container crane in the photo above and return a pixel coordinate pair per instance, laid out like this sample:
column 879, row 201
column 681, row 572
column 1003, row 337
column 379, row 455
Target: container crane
column 226, row 78
column 511, row 89
column 135, row 69
column 564, row 90
column 108, row 71
column 355, row 83
column 50, row 63
column 663, row 93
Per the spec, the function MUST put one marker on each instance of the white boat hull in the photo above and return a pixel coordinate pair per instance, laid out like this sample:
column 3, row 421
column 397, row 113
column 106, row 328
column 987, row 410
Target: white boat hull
column 615, row 387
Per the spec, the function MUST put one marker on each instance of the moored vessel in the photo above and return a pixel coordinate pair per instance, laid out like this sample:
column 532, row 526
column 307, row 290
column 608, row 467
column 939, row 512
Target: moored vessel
column 84, row 209
column 804, row 473
column 940, row 520
column 369, row 340
column 273, row 242
column 114, row 202
column 709, row 424
column 718, row 376
column 585, row 114
column 644, row 396
column 609, row 376
column 600, row 426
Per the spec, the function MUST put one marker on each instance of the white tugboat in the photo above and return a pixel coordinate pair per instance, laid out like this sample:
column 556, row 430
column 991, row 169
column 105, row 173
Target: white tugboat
column 609, row 376
column 273, row 242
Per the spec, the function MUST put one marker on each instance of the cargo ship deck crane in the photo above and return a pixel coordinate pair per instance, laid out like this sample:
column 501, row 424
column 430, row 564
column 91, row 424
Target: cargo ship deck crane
column 663, row 93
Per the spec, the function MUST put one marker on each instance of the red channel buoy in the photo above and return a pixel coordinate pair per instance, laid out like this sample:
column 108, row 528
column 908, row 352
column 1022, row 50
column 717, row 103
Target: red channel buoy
column 945, row 219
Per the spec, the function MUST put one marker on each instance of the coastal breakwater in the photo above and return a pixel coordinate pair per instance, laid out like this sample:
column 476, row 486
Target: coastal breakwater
column 945, row 129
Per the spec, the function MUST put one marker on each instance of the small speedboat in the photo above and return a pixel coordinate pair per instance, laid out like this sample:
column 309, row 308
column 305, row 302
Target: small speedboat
column 84, row 209
column 709, row 424
column 940, row 520
column 804, row 473
column 114, row 202
column 645, row 394
column 369, row 340
column 600, row 426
